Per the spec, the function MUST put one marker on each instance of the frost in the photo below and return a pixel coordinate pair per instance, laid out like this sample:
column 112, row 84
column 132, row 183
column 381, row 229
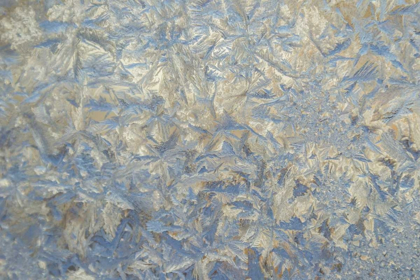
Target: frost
column 20, row 28
column 215, row 139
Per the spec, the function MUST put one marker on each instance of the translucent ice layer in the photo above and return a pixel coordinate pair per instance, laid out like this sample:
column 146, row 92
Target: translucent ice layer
column 150, row 139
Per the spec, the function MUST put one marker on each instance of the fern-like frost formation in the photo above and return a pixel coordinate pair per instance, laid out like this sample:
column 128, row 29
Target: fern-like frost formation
column 209, row 139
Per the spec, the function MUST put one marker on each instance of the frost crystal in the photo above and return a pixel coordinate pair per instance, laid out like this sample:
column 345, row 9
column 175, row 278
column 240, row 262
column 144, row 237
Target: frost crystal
column 214, row 139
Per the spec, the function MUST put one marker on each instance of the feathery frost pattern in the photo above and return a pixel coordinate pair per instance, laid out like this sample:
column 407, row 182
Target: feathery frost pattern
column 214, row 139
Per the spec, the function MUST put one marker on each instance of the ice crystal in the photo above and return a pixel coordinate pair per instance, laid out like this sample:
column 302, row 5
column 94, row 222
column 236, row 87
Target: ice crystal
column 214, row 139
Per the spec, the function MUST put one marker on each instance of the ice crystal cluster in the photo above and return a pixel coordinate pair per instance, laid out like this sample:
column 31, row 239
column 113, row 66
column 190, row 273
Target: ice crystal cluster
column 209, row 139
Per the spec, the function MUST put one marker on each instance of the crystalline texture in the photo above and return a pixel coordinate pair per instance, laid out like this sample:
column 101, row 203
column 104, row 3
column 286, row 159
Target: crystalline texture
column 209, row 139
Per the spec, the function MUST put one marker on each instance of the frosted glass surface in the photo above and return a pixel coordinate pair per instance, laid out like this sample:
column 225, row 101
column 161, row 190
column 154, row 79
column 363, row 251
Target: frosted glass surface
column 212, row 139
